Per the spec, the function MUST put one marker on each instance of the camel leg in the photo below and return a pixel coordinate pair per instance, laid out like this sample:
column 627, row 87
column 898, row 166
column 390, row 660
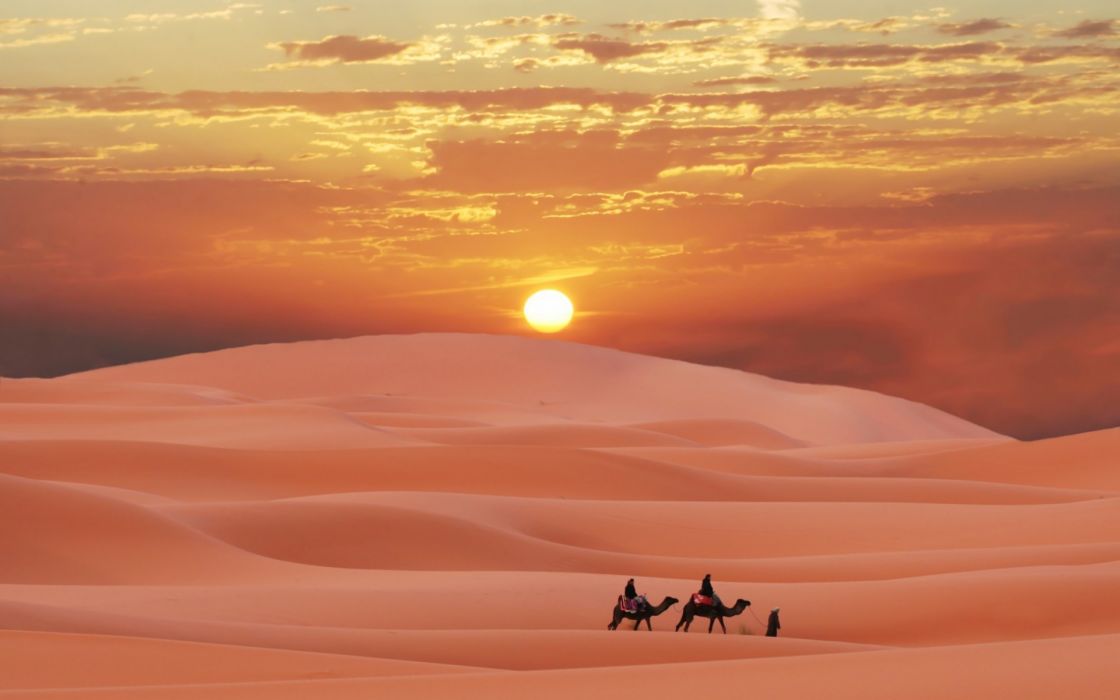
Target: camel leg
column 711, row 624
column 720, row 618
column 637, row 624
column 649, row 626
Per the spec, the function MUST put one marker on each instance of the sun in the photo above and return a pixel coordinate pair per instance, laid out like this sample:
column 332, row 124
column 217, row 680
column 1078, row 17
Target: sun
column 548, row 311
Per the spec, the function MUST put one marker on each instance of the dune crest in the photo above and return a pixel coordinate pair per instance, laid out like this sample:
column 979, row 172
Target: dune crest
column 565, row 380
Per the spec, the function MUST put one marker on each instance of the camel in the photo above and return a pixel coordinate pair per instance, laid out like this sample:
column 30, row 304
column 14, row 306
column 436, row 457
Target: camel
column 646, row 613
column 712, row 612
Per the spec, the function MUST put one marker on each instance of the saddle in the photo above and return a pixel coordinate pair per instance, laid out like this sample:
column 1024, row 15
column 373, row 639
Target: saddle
column 698, row 599
column 633, row 605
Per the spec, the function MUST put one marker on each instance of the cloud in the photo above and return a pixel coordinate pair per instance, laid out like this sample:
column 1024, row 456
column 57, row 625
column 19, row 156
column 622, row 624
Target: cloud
column 911, row 98
column 787, row 10
column 206, row 103
column 33, row 31
column 544, row 161
column 739, row 80
column 605, row 49
column 650, row 26
column 1012, row 336
column 343, row 49
column 333, row 8
column 1088, row 29
column 539, row 21
column 23, row 25
column 226, row 13
column 56, row 38
column 658, row 57
column 1034, row 55
column 862, row 55
column 976, row 26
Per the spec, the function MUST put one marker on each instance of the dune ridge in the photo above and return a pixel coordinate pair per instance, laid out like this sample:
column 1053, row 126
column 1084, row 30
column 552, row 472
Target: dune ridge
column 454, row 514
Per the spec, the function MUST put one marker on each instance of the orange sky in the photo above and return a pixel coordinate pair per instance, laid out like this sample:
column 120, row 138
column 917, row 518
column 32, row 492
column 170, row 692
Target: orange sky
column 918, row 201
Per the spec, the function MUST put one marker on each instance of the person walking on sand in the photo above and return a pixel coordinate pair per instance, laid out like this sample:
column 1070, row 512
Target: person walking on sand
column 773, row 624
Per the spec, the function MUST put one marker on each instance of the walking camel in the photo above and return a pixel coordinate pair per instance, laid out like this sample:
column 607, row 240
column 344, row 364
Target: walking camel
column 712, row 612
column 643, row 615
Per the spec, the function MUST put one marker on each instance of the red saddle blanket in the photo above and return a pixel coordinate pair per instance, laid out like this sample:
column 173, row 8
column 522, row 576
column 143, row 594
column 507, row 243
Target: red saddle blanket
column 632, row 605
column 698, row 599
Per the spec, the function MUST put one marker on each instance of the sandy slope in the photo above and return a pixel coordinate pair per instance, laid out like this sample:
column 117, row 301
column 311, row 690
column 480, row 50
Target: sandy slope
column 580, row 382
column 455, row 515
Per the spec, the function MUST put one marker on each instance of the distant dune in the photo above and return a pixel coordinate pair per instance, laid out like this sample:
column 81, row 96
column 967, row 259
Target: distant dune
column 448, row 515
column 578, row 383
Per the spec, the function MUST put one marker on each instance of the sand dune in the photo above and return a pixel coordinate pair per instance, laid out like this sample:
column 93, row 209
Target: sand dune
column 546, row 435
column 32, row 661
column 563, row 379
column 242, row 425
column 723, row 432
column 1078, row 461
column 1080, row 667
column 405, row 516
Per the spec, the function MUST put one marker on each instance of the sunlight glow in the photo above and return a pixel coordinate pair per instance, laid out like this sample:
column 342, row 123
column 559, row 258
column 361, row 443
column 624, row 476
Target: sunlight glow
column 548, row 311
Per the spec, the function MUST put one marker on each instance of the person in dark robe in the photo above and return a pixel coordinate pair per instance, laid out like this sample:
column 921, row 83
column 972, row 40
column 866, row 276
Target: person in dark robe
column 630, row 595
column 706, row 586
column 706, row 589
column 773, row 624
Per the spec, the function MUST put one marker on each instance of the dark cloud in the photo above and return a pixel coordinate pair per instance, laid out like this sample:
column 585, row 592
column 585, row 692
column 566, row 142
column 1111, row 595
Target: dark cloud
column 544, row 161
column 44, row 152
column 880, row 55
column 604, row 49
column 344, row 49
column 818, row 350
column 1049, row 54
column 1088, row 29
column 974, row 27
column 1019, row 337
column 51, row 341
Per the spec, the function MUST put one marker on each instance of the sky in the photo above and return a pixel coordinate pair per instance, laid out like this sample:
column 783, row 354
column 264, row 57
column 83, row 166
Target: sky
column 922, row 200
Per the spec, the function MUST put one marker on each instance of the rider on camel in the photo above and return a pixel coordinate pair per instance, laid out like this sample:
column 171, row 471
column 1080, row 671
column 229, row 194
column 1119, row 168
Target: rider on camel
column 706, row 589
column 632, row 599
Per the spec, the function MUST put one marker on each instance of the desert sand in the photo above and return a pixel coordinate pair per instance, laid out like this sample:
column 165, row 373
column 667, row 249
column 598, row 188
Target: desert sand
column 445, row 515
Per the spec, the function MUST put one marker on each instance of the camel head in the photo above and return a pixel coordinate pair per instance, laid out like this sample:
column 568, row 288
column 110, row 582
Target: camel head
column 670, row 601
column 742, row 604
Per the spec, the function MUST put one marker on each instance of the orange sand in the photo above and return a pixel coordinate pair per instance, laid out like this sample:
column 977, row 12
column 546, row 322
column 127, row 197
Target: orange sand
column 454, row 516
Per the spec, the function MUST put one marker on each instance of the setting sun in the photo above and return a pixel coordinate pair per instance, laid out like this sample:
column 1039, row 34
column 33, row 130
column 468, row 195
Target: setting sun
column 548, row 311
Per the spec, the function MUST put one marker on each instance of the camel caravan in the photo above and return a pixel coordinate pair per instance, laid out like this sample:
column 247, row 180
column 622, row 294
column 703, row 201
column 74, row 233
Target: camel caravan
column 704, row 603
